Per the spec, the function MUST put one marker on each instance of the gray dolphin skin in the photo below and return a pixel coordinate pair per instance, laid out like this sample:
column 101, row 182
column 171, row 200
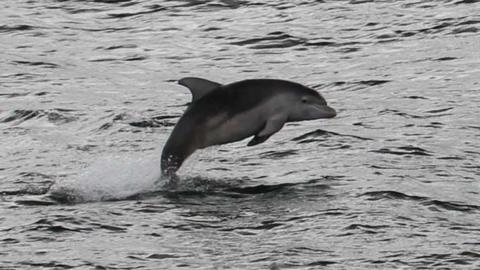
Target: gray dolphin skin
column 221, row 114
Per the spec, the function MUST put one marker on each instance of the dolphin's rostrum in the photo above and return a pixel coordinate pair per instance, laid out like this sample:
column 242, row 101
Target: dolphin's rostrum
column 222, row 114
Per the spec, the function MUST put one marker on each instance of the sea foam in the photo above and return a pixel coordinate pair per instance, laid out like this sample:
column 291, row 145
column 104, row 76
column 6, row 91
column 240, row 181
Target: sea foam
column 111, row 178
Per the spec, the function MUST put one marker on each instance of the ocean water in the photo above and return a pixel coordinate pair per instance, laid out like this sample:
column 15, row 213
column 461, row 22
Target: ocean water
column 88, row 97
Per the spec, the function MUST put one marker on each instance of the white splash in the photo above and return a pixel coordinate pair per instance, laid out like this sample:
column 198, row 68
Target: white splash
column 111, row 178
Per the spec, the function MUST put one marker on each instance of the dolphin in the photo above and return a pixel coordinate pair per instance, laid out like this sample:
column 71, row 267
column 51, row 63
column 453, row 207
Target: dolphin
column 220, row 114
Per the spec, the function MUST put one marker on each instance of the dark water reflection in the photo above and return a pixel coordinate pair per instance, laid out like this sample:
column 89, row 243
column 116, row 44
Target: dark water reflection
column 88, row 96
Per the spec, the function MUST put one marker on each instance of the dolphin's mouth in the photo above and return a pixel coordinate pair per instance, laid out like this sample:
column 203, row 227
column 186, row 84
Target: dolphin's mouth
column 326, row 111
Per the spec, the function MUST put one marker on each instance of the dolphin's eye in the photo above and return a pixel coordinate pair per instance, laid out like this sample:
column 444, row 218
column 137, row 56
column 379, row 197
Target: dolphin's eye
column 304, row 100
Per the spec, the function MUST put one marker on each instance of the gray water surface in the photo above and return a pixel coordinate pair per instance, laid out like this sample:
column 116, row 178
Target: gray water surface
column 88, row 97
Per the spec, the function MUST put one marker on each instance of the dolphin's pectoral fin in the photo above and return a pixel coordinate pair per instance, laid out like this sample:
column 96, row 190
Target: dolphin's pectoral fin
column 198, row 87
column 272, row 126
column 258, row 140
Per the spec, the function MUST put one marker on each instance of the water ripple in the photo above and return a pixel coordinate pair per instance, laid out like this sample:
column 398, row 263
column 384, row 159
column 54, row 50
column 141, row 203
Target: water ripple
column 56, row 116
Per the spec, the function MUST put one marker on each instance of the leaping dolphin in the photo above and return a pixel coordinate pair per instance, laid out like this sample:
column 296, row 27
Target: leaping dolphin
column 222, row 114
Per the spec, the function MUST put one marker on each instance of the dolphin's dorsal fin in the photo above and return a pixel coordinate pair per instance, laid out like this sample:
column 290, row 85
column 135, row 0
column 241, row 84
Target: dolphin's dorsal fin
column 198, row 87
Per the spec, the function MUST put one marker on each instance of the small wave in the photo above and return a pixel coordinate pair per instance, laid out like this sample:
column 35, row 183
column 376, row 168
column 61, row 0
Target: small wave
column 128, row 59
column 451, row 26
column 313, row 185
column 157, row 121
column 116, row 47
column 56, row 116
column 452, row 158
column 474, row 127
column 38, row 188
column 264, row 226
column 135, row 58
column 148, row 10
column 445, row 205
column 440, row 110
column 323, row 133
column 36, row 201
column 320, row 263
column 68, row 223
column 13, row 95
column 403, row 150
column 390, row 194
column 141, row 122
column 469, row 22
column 21, row 76
column 260, row 188
column 51, row 264
column 433, row 125
column 160, row 256
column 356, row 2
column 271, row 40
column 387, row 37
column 352, row 44
column 436, row 29
column 37, row 63
column 452, row 206
column 373, row 82
column 357, row 85
column 316, row 264
column 56, row 226
column 409, row 115
column 466, row 2
column 461, row 30
column 446, row 58
column 415, row 97
column 98, row 29
column 443, row 258
column 29, row 189
column 14, row 28
column 470, row 254
column 356, row 226
column 281, row 39
column 24, row 115
column 277, row 154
